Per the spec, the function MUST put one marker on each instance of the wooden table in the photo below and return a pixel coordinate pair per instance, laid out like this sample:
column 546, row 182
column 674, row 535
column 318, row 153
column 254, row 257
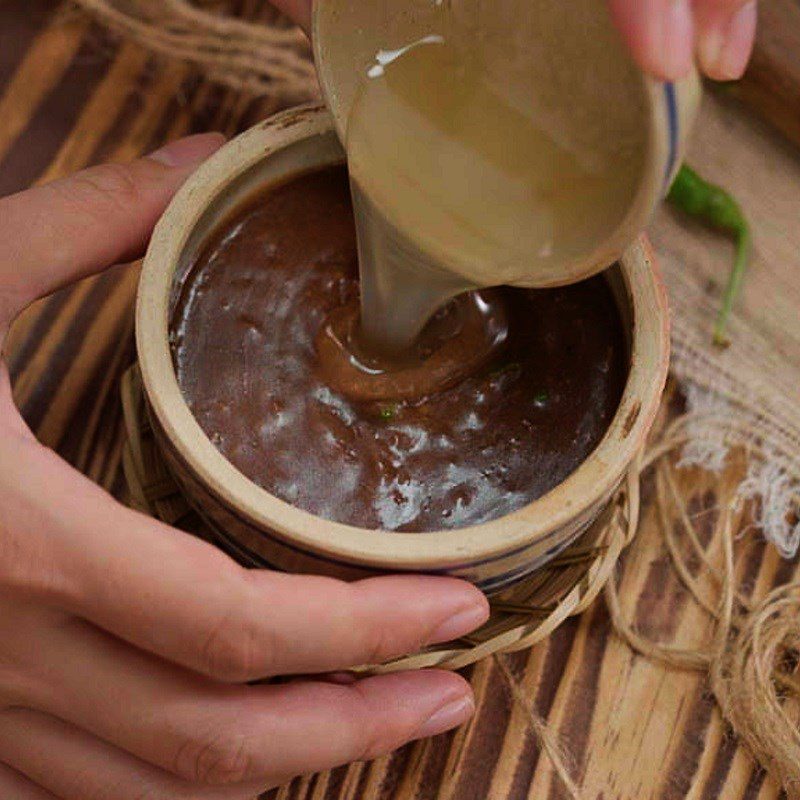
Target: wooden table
column 70, row 96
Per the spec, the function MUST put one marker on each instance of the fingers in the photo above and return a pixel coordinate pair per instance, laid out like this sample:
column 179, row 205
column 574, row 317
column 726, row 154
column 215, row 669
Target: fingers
column 11, row 421
column 56, row 233
column 176, row 596
column 15, row 785
column 725, row 35
column 660, row 34
column 215, row 734
column 74, row 765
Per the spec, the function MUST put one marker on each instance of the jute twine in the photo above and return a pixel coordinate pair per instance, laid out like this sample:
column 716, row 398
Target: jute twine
column 257, row 56
column 750, row 660
column 752, row 657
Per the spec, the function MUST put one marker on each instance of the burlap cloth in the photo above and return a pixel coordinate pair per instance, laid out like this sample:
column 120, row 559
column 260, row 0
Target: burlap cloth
column 745, row 400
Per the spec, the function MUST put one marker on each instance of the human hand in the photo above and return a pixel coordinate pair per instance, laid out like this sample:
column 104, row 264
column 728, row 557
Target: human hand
column 664, row 35
column 124, row 643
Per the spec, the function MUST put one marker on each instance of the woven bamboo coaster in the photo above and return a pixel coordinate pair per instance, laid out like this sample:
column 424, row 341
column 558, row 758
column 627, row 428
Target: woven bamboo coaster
column 521, row 616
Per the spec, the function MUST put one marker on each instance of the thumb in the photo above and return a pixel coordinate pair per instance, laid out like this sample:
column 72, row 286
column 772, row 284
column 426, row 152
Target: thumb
column 55, row 234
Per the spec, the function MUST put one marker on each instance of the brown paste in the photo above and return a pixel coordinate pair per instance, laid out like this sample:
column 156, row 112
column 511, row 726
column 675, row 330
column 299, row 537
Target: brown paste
column 506, row 394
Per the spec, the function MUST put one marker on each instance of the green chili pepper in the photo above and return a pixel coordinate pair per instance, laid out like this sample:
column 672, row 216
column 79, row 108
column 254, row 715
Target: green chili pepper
column 714, row 206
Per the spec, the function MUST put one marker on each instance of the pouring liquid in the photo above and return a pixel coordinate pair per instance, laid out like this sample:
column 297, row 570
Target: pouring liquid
column 462, row 179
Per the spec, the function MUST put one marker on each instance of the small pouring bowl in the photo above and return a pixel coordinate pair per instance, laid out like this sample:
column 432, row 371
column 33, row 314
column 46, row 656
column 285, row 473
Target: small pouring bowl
column 566, row 62
column 262, row 530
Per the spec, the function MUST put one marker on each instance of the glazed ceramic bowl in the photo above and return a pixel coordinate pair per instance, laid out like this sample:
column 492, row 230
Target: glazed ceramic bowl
column 262, row 530
column 565, row 59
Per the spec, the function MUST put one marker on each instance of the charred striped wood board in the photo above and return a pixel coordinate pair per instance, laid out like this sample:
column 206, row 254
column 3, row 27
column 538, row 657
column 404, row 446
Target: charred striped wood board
column 70, row 96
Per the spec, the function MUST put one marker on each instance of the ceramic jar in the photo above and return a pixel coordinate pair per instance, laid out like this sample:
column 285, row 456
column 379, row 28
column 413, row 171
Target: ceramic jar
column 263, row 530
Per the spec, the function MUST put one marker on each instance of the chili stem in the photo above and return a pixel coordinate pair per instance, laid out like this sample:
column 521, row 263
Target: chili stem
column 733, row 287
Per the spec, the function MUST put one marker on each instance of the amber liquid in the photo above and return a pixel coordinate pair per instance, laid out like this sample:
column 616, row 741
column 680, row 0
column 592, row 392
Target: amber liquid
column 461, row 179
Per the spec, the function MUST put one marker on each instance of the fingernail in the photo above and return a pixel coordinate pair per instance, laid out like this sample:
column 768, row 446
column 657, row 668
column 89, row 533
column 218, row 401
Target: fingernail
column 460, row 623
column 672, row 30
column 449, row 716
column 726, row 42
column 189, row 151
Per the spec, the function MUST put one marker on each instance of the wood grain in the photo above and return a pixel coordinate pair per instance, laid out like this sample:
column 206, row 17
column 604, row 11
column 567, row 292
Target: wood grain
column 771, row 86
column 70, row 96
